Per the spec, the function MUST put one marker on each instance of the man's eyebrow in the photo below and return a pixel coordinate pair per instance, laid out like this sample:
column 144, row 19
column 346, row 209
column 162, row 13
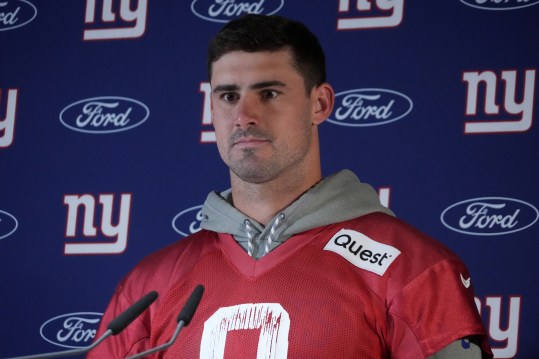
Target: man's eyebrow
column 226, row 88
column 264, row 84
column 256, row 86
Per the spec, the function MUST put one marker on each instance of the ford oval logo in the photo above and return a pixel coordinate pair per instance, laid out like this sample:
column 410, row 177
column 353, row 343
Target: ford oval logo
column 109, row 114
column 499, row 5
column 8, row 224
column 369, row 107
column 188, row 221
column 226, row 10
column 489, row 216
column 72, row 330
column 14, row 14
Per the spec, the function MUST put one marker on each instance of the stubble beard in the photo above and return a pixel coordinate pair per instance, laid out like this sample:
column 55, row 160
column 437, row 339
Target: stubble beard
column 251, row 168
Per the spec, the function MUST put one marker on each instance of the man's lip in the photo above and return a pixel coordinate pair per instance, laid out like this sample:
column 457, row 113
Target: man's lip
column 249, row 141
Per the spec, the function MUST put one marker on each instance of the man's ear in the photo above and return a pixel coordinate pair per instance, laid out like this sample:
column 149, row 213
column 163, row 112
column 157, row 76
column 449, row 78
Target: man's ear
column 323, row 100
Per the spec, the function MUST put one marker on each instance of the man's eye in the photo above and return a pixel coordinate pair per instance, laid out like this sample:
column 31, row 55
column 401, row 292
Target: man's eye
column 268, row 94
column 230, row 97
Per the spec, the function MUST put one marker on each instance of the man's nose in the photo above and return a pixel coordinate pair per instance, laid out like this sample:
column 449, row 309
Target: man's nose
column 247, row 112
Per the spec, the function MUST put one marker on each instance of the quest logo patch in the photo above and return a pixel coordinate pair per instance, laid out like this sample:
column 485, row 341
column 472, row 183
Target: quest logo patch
column 188, row 221
column 101, row 115
column 489, row 216
column 16, row 13
column 72, row 330
column 226, row 10
column 362, row 251
column 8, row 224
column 369, row 107
column 499, row 4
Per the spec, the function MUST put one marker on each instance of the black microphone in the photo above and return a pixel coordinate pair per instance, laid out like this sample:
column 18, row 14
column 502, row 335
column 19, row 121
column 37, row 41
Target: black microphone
column 115, row 326
column 184, row 318
column 130, row 314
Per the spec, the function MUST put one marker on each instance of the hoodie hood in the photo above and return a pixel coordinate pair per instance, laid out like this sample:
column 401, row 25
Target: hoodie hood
column 339, row 197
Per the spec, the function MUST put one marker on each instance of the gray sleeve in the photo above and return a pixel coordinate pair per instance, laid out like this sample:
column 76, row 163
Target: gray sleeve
column 459, row 349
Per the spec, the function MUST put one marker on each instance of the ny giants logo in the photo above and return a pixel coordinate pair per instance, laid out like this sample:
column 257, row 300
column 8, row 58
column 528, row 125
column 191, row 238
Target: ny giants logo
column 7, row 123
column 14, row 14
column 100, row 115
column 499, row 4
column 226, row 10
column 207, row 135
column 130, row 24
column 72, row 330
column 489, row 216
column 369, row 14
column 118, row 232
column 507, row 338
column 520, row 113
column 369, row 107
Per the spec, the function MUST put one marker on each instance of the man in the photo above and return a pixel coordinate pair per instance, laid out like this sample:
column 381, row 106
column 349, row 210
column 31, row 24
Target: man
column 294, row 265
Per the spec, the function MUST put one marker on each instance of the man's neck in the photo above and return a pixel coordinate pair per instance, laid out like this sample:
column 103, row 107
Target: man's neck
column 264, row 201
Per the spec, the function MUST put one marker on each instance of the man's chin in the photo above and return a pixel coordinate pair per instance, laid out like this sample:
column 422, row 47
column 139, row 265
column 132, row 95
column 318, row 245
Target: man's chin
column 253, row 175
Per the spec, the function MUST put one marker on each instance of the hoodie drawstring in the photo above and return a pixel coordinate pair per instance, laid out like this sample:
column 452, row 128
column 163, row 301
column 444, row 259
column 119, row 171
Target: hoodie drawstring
column 252, row 237
column 271, row 236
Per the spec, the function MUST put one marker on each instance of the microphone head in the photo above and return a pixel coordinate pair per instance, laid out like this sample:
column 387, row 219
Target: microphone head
column 123, row 320
column 191, row 305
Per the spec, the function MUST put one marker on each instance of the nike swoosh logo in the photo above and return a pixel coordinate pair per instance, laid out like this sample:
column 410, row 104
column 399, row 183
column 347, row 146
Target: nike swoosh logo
column 465, row 282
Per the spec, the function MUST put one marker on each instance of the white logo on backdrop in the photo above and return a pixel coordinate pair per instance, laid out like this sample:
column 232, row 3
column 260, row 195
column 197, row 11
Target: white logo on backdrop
column 119, row 231
column 7, row 125
column 72, row 330
column 384, row 13
column 503, row 323
column 132, row 24
column 100, row 115
column 521, row 111
column 16, row 13
column 489, row 216
column 499, row 4
column 8, row 224
column 188, row 221
column 369, row 107
column 207, row 135
column 226, row 10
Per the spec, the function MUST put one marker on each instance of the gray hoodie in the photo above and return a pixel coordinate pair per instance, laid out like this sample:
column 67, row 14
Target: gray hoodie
column 337, row 198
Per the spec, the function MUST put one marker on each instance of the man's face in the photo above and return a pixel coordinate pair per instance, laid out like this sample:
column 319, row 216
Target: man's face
column 262, row 115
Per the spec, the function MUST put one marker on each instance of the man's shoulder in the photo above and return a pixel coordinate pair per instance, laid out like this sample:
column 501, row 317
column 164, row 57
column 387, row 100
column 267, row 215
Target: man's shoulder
column 382, row 247
column 162, row 266
column 415, row 273
column 395, row 232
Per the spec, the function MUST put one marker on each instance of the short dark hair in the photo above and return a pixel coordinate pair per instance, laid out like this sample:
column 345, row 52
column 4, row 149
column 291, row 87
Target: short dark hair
column 254, row 33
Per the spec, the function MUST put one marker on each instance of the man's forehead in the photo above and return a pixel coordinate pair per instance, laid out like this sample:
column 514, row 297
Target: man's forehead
column 284, row 53
column 246, row 69
column 251, row 64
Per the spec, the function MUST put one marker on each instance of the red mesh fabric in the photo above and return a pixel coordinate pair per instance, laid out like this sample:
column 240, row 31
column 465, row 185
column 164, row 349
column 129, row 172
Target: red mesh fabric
column 329, row 315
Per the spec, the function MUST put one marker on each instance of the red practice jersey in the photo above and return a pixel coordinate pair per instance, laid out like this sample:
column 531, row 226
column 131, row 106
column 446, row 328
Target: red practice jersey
column 372, row 287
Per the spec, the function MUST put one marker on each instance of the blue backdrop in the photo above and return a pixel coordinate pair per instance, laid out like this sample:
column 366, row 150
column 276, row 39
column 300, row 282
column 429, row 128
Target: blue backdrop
column 107, row 150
